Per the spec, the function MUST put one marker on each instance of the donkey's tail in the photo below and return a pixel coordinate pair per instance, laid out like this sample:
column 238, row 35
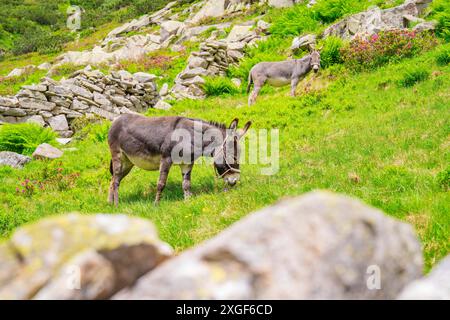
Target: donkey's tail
column 250, row 80
column 111, row 167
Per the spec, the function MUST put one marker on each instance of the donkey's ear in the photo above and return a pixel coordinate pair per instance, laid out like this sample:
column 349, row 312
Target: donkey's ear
column 243, row 131
column 233, row 124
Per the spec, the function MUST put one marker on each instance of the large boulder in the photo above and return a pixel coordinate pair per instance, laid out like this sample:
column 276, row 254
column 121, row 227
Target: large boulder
column 12, row 159
column 169, row 28
column 317, row 246
column 77, row 256
column 375, row 20
column 436, row 285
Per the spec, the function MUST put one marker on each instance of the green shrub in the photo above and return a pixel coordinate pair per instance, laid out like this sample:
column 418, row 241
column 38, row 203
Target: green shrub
column 25, row 137
column 412, row 76
column 385, row 47
column 42, row 41
column 330, row 52
column 218, row 86
column 440, row 11
column 443, row 56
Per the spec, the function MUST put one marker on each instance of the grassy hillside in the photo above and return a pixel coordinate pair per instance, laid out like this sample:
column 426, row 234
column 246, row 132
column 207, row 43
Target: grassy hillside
column 381, row 135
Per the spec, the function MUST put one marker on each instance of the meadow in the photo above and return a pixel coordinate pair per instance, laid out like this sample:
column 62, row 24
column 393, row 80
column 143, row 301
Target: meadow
column 382, row 135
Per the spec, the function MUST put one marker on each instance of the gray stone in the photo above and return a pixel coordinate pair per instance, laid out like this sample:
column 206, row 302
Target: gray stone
column 304, row 42
column 162, row 105
column 191, row 73
column 101, row 99
column 91, row 86
column 169, row 28
column 44, row 66
column 435, row 286
column 38, row 119
column 281, row 3
column 12, row 159
column 36, row 87
column 164, row 90
column 58, row 123
column 79, row 105
column 197, row 62
column 59, row 91
column 15, row 112
column 80, row 91
column 103, row 113
column 237, row 82
column 317, row 246
column 63, row 141
column 30, row 103
column 46, row 151
column 9, row 102
column 425, row 26
column 143, row 77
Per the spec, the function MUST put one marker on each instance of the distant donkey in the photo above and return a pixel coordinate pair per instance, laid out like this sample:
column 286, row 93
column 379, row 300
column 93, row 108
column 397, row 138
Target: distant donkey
column 281, row 73
column 159, row 142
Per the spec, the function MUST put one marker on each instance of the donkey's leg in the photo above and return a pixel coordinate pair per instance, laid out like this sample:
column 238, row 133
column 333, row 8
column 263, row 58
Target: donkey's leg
column 164, row 168
column 257, row 85
column 121, row 167
column 186, row 173
column 294, row 83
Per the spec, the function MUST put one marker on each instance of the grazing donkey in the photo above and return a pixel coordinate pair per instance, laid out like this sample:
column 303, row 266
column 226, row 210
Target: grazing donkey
column 281, row 73
column 157, row 143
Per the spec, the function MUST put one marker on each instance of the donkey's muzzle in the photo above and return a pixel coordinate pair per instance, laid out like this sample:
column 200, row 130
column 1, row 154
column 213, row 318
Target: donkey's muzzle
column 316, row 69
column 231, row 179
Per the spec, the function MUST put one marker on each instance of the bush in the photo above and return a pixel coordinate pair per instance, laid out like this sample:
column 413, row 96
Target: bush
column 330, row 53
column 443, row 56
column 385, row 47
column 219, row 86
column 412, row 76
column 40, row 40
column 440, row 11
column 25, row 137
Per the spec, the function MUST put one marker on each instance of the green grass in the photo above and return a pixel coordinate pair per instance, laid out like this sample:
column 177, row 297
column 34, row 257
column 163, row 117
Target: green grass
column 394, row 139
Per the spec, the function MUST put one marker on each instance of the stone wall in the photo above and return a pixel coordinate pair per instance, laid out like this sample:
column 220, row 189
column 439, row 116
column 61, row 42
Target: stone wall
column 215, row 57
column 87, row 92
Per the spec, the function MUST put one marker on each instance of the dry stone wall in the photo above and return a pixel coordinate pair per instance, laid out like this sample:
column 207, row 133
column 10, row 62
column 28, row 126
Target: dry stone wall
column 86, row 93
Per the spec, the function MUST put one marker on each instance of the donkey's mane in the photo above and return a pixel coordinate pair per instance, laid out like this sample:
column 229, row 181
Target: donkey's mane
column 213, row 123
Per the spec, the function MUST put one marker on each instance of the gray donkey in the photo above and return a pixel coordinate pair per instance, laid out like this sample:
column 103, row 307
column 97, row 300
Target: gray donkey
column 159, row 142
column 281, row 73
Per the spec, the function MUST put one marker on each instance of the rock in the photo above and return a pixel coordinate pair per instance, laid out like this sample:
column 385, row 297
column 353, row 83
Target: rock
column 58, row 123
column 238, row 33
column 195, row 80
column 79, row 105
column 17, row 72
column 169, row 28
column 235, row 55
column 9, row 102
column 38, row 119
column 435, row 286
column 14, row 112
column 197, row 62
column 91, row 87
column 46, row 151
column 239, row 46
column 262, row 25
column 14, row 160
column 101, row 99
column 103, row 113
column 317, row 246
column 80, row 91
column 143, row 77
column 211, row 9
column 304, row 42
column 281, row 3
column 425, row 26
column 76, row 256
column 63, row 141
column 191, row 73
column 44, row 66
column 36, row 87
column 164, row 90
column 162, row 105
column 374, row 20
column 237, row 82
column 30, row 103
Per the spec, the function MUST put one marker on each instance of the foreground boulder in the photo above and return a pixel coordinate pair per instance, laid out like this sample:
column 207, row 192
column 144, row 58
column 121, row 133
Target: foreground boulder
column 317, row 246
column 435, row 285
column 78, row 257
column 14, row 160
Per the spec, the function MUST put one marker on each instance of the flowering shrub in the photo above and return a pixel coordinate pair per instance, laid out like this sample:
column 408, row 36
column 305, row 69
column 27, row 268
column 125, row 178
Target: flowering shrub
column 385, row 47
column 53, row 177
